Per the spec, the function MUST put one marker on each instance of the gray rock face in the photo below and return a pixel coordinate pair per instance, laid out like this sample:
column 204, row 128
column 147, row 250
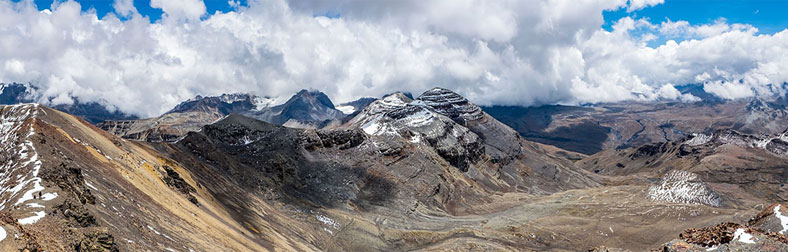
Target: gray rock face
column 775, row 144
column 391, row 116
column 464, row 136
column 451, row 104
column 306, row 109
column 224, row 104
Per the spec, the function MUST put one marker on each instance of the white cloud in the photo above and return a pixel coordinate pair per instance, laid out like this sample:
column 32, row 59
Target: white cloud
column 728, row 90
column 640, row 4
column 669, row 92
column 180, row 9
column 494, row 52
column 124, row 8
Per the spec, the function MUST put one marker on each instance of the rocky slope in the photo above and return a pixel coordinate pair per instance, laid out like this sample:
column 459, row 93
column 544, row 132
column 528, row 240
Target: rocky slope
column 469, row 139
column 734, row 164
column 68, row 186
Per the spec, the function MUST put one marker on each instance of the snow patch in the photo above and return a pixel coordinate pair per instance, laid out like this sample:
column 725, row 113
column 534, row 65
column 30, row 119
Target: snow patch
column 3, row 234
column 698, row 139
column 49, row 196
column 154, row 230
column 35, row 205
column 743, row 236
column 346, row 109
column 32, row 219
column 683, row 187
column 783, row 219
column 330, row 223
column 91, row 186
column 261, row 103
column 419, row 119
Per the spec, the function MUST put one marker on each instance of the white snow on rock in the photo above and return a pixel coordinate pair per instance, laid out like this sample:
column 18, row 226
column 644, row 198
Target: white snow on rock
column 346, row 109
column 35, row 205
column 3, row 234
column 32, row 219
column 783, row 219
column 451, row 104
column 776, row 144
column 330, row 223
column 91, row 186
column 376, row 109
column 261, row 103
column 49, row 196
column 698, row 139
column 20, row 180
column 742, row 236
column 683, row 187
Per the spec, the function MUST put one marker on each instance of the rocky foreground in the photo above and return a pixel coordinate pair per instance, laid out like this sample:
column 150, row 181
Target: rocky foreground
column 431, row 173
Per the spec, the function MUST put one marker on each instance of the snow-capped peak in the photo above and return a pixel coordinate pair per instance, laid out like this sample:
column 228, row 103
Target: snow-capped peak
column 451, row 104
column 263, row 102
column 776, row 144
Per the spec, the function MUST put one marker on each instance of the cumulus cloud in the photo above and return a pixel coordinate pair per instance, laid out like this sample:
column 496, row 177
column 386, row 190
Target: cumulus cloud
column 640, row 4
column 124, row 8
column 494, row 52
column 180, row 9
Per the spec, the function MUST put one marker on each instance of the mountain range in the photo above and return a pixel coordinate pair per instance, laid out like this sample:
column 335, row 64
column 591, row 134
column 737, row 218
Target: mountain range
column 94, row 112
column 432, row 172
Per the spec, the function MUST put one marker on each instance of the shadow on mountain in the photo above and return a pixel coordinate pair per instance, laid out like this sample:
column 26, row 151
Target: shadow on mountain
column 279, row 162
column 586, row 137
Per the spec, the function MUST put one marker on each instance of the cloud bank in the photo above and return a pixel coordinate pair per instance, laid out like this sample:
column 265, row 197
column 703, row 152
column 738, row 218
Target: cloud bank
column 504, row 52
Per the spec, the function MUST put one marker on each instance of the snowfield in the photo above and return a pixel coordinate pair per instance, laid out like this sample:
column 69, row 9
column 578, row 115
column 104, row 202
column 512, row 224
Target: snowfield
column 683, row 187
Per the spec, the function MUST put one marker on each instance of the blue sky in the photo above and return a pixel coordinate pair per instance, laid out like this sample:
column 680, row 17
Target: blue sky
column 103, row 7
column 766, row 15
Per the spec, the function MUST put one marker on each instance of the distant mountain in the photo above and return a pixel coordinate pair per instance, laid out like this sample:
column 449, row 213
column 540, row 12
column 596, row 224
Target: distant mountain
column 224, row 104
column 306, row 109
column 755, row 164
column 352, row 107
column 697, row 90
column 94, row 112
column 592, row 129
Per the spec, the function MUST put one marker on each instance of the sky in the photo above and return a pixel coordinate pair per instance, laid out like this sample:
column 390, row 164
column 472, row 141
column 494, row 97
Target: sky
column 145, row 56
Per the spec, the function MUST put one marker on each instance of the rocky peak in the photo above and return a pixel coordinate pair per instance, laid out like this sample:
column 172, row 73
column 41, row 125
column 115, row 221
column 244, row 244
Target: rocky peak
column 775, row 144
column 14, row 93
column 356, row 106
column 451, row 104
column 757, row 104
column 311, row 97
column 305, row 109
column 224, row 104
